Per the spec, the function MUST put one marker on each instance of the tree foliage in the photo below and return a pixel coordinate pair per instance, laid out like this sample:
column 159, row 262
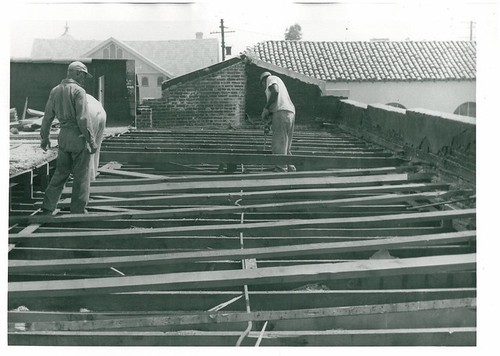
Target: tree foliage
column 293, row 32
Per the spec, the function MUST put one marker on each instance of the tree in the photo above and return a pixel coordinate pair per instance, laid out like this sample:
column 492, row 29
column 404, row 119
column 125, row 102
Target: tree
column 293, row 32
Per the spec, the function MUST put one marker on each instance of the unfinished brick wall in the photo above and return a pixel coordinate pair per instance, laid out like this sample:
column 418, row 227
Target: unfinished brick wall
column 213, row 100
column 144, row 117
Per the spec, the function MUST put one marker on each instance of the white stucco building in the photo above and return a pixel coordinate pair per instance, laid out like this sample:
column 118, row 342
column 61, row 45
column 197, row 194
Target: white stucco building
column 437, row 75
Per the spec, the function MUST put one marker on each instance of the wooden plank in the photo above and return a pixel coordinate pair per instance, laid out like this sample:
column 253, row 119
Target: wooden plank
column 203, row 211
column 24, row 266
column 457, row 336
column 261, row 300
column 92, row 322
column 306, row 151
column 143, row 178
column 301, row 162
column 358, row 222
column 275, row 195
column 258, row 184
column 200, row 280
column 129, row 174
column 222, row 242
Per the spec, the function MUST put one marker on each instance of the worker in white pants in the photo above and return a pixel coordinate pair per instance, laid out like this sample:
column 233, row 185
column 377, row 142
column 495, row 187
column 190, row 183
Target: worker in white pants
column 279, row 113
column 97, row 123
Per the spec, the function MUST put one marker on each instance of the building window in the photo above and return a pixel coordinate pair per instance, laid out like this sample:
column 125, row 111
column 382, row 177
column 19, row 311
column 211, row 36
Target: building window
column 112, row 50
column 119, row 53
column 159, row 81
column 466, row 109
column 145, row 82
column 396, row 105
column 105, row 53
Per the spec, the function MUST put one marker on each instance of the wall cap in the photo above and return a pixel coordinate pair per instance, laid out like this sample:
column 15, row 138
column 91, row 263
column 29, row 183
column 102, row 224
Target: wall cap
column 443, row 115
column 387, row 108
column 355, row 103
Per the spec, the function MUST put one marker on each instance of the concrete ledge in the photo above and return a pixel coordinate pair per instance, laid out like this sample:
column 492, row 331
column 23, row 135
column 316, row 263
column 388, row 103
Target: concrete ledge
column 447, row 141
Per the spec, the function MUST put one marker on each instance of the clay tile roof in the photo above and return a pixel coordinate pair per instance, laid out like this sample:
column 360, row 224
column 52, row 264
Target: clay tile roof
column 373, row 60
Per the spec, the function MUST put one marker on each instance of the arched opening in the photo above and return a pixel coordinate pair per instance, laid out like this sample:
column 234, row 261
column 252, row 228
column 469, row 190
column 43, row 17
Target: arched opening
column 466, row 109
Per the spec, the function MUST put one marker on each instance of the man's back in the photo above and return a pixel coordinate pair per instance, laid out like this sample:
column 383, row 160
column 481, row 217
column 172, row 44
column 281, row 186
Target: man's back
column 64, row 100
column 283, row 101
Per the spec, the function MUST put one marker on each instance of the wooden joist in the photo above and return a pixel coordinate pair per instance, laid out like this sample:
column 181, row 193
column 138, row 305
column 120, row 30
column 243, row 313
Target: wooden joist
column 358, row 222
column 120, row 321
column 183, row 300
column 303, row 162
column 200, row 280
column 447, row 336
column 275, row 195
column 122, row 213
column 256, row 184
column 145, row 178
column 23, row 266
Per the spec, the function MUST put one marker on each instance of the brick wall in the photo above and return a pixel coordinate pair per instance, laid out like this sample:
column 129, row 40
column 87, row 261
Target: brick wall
column 144, row 117
column 213, row 100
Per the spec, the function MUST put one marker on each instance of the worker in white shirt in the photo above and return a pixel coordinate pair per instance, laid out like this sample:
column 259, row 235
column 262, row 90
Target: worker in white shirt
column 279, row 114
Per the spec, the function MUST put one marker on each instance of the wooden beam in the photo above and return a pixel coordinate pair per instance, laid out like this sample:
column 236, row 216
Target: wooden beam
column 275, row 195
column 119, row 322
column 217, row 279
column 261, row 300
column 257, row 184
column 26, row 266
column 143, row 178
column 301, row 162
column 456, row 336
column 203, row 211
column 358, row 222
column 224, row 149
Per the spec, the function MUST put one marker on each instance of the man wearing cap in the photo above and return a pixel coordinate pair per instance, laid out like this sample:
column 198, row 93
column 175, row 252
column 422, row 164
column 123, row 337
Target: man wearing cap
column 68, row 102
column 279, row 113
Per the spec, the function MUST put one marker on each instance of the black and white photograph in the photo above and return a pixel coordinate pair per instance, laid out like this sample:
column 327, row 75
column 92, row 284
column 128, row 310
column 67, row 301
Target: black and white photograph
column 272, row 174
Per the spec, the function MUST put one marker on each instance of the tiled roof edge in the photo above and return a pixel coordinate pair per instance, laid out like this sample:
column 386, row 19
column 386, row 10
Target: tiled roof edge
column 288, row 72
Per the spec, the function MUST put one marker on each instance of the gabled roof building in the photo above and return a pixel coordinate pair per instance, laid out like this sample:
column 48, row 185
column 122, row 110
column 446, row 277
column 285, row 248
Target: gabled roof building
column 155, row 61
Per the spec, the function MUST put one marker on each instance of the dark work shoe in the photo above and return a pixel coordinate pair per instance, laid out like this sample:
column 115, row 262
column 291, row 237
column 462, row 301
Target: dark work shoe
column 279, row 169
column 46, row 212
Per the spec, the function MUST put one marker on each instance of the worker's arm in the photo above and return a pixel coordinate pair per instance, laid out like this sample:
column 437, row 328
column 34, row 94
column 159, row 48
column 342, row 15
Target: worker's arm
column 47, row 120
column 82, row 119
column 273, row 98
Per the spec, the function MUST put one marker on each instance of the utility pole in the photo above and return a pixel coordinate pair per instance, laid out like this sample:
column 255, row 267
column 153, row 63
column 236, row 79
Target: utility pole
column 223, row 44
column 471, row 27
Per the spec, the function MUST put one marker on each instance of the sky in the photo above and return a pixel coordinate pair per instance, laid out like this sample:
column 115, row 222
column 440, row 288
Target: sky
column 251, row 21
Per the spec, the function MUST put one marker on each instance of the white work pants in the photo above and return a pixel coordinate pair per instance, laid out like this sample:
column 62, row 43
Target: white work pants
column 282, row 125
